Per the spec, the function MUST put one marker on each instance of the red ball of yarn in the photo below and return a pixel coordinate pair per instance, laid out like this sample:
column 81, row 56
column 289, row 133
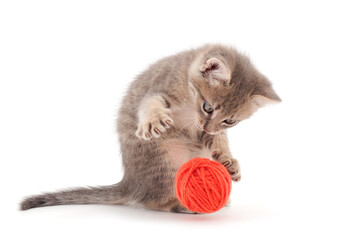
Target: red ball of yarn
column 203, row 185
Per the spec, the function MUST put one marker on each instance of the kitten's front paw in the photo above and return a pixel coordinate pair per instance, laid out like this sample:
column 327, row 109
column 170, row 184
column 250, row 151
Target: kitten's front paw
column 230, row 164
column 233, row 168
column 154, row 125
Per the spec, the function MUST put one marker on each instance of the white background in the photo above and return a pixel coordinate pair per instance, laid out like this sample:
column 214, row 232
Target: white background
column 65, row 65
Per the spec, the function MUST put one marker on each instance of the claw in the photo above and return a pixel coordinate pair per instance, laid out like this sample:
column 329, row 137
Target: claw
column 215, row 155
column 157, row 131
column 227, row 163
column 148, row 135
column 169, row 123
column 154, row 126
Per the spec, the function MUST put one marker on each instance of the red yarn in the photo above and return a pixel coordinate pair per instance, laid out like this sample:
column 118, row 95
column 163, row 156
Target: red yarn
column 203, row 185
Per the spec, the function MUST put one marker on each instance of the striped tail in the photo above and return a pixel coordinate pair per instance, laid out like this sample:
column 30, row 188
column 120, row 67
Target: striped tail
column 90, row 195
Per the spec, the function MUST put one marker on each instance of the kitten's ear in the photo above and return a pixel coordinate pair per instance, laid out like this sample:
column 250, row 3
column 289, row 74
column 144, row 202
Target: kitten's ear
column 215, row 70
column 265, row 95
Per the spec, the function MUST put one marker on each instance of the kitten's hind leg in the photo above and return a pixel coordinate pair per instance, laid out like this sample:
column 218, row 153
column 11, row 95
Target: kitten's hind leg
column 172, row 205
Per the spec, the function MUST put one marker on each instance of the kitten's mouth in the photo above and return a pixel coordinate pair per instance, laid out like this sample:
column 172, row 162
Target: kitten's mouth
column 199, row 127
column 202, row 129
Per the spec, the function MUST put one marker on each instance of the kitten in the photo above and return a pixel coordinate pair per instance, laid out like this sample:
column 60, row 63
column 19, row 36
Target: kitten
column 179, row 108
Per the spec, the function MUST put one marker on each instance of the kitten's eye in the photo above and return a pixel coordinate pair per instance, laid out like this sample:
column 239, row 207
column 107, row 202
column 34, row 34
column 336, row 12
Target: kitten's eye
column 229, row 121
column 207, row 107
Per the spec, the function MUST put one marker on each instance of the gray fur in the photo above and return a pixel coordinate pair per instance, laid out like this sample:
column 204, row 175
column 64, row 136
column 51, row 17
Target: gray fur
column 90, row 195
column 158, row 131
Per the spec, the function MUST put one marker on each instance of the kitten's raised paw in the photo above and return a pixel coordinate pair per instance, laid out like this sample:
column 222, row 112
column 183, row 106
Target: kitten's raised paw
column 155, row 125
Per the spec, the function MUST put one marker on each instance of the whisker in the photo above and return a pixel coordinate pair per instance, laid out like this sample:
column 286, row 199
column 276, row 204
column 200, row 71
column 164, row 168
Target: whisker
column 188, row 124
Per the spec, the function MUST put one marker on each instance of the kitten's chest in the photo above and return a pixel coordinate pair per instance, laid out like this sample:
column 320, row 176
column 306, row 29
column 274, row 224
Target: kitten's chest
column 186, row 142
column 181, row 151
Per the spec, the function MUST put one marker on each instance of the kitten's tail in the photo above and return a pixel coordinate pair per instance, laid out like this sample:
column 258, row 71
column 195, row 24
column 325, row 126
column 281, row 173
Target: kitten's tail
column 91, row 195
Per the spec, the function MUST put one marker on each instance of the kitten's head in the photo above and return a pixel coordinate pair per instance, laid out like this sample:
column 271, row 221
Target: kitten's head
column 227, row 89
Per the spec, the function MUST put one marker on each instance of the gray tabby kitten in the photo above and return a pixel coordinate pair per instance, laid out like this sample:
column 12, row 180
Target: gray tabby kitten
column 179, row 108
